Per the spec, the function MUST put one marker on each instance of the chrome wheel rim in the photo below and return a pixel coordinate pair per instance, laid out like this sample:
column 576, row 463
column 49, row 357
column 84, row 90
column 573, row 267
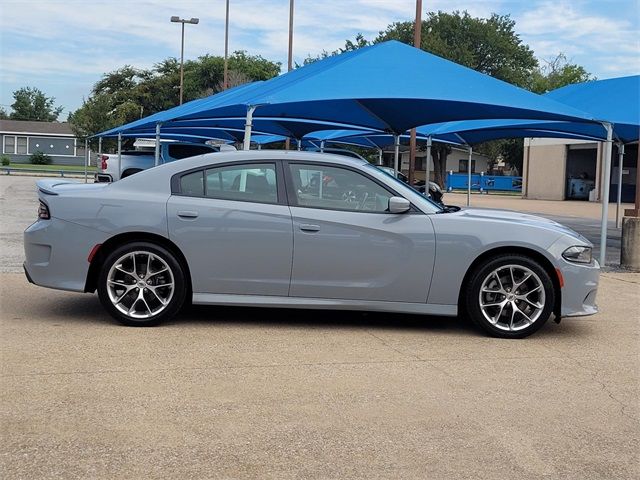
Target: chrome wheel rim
column 140, row 284
column 512, row 297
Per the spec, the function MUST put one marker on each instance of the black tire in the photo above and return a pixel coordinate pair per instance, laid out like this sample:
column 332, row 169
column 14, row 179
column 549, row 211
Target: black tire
column 173, row 305
column 471, row 297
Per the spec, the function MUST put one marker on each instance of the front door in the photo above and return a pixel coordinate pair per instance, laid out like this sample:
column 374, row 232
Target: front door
column 346, row 244
column 234, row 227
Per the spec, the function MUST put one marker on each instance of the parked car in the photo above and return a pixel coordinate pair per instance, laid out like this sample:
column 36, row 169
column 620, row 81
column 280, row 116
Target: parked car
column 134, row 161
column 435, row 192
column 303, row 230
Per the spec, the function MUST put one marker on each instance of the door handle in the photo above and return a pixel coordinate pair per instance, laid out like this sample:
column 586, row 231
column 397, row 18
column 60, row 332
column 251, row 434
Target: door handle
column 187, row 214
column 305, row 227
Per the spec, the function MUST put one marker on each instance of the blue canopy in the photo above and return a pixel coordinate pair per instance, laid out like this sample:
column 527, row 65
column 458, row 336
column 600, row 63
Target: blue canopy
column 389, row 86
column 616, row 100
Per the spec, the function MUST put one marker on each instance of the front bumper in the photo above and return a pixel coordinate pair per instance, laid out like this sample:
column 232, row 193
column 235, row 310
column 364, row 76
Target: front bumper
column 580, row 289
column 56, row 253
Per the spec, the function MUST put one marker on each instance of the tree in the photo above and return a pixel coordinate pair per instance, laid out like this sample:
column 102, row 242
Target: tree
column 32, row 104
column 558, row 72
column 3, row 114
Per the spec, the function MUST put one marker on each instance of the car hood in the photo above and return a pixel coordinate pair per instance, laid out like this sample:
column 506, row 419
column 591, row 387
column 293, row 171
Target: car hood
column 510, row 216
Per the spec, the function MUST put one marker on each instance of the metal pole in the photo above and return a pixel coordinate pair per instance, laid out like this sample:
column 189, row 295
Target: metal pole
column 299, row 144
column 157, row 150
column 606, row 177
column 427, row 166
column 247, row 128
column 379, row 156
column 182, row 64
column 290, row 57
column 620, row 165
column 99, row 148
column 119, row 155
column 226, row 49
column 469, row 177
column 396, row 153
column 86, row 159
column 417, row 37
column 322, row 146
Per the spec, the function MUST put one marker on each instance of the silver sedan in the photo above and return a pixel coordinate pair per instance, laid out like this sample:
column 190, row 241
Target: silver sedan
column 304, row 230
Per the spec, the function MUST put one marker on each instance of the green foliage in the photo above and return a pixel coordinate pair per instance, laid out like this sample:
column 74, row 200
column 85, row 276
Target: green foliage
column 556, row 73
column 31, row 103
column 5, row 160
column 129, row 93
column 3, row 114
column 488, row 45
column 40, row 158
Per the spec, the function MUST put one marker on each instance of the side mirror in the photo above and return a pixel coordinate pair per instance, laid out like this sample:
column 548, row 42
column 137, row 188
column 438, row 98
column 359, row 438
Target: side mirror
column 399, row 205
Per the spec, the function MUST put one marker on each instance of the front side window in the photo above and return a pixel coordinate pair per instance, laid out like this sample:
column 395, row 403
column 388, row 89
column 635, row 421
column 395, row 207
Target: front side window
column 9, row 144
column 336, row 188
column 249, row 183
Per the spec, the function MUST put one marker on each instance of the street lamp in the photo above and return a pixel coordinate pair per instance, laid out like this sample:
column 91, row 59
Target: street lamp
column 193, row 21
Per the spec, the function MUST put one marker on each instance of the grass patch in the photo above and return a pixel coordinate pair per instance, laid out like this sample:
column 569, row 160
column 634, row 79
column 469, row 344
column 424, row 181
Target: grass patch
column 53, row 168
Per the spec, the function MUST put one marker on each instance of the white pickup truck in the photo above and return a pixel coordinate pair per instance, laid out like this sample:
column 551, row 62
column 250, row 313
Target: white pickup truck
column 134, row 161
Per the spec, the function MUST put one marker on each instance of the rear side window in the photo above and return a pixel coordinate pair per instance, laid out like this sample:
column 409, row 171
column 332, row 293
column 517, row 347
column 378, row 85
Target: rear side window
column 192, row 184
column 179, row 151
column 249, row 183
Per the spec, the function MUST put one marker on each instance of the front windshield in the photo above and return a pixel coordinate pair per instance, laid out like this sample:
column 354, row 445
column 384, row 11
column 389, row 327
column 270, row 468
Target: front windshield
column 401, row 187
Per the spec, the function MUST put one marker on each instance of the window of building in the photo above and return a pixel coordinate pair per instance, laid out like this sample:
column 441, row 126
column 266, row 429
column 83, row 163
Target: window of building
column 21, row 146
column 462, row 166
column 9, row 144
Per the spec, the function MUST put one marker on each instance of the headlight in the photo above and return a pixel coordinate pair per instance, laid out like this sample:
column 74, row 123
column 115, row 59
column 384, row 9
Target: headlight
column 577, row 254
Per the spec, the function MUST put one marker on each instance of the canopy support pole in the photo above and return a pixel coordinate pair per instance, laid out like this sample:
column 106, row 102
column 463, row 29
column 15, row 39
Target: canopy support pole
column 427, row 166
column 157, row 150
column 469, row 177
column 619, row 199
column 396, row 154
column 119, row 155
column 379, row 156
column 86, row 159
column 99, row 148
column 299, row 144
column 605, row 193
column 322, row 146
column 247, row 128
column 259, row 146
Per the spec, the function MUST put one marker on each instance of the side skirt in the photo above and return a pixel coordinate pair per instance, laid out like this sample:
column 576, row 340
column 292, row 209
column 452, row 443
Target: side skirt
column 323, row 304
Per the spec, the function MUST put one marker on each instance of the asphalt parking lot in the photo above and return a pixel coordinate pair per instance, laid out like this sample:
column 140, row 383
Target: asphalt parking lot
column 249, row 393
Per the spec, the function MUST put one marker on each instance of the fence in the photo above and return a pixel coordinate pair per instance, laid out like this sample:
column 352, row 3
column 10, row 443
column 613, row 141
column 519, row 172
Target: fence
column 483, row 183
column 47, row 171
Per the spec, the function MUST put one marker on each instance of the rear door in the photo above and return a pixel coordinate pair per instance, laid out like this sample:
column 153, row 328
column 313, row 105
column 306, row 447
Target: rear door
column 346, row 244
column 233, row 225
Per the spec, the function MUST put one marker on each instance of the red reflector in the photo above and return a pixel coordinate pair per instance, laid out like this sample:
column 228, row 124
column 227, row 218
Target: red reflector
column 560, row 277
column 93, row 252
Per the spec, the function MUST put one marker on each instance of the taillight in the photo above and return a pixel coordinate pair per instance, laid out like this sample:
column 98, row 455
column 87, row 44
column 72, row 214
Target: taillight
column 103, row 161
column 43, row 211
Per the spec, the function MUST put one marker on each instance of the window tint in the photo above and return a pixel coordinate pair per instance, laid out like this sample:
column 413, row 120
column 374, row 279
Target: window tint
column 250, row 183
column 192, row 184
column 337, row 188
column 179, row 151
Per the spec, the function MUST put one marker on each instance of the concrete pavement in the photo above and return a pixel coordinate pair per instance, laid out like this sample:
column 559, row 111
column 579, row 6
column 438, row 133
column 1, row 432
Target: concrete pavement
column 248, row 393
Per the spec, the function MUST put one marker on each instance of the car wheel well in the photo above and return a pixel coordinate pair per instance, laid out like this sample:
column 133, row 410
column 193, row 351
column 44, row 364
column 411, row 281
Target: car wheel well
column 118, row 240
column 527, row 252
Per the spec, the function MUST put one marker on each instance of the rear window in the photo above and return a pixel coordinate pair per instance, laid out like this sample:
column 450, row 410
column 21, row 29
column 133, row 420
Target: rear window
column 179, row 151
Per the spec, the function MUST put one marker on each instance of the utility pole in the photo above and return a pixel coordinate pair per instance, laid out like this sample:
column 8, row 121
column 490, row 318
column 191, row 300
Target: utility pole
column 225, row 81
column 417, row 37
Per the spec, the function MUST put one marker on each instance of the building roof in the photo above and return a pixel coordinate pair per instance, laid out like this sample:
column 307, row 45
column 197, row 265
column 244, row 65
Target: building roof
column 24, row 126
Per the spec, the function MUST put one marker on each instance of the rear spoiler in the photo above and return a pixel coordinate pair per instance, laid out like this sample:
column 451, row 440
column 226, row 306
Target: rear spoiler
column 47, row 186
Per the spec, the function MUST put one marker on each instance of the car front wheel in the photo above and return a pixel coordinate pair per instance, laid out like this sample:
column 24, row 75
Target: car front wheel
column 141, row 284
column 510, row 296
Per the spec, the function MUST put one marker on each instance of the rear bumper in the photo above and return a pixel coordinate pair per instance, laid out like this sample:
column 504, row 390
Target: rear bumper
column 580, row 289
column 56, row 254
column 103, row 178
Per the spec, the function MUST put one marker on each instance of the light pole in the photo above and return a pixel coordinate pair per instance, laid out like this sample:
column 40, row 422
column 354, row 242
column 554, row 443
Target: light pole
column 225, row 80
column 193, row 21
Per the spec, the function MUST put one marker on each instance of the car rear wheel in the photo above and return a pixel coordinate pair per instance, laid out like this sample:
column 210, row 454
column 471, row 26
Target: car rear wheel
column 510, row 296
column 141, row 284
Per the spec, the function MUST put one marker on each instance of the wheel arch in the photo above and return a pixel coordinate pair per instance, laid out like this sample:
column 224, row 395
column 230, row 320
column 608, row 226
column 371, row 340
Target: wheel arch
column 505, row 250
column 123, row 238
column 130, row 171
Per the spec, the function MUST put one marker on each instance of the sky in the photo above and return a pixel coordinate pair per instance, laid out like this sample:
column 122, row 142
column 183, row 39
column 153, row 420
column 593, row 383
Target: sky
column 64, row 46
